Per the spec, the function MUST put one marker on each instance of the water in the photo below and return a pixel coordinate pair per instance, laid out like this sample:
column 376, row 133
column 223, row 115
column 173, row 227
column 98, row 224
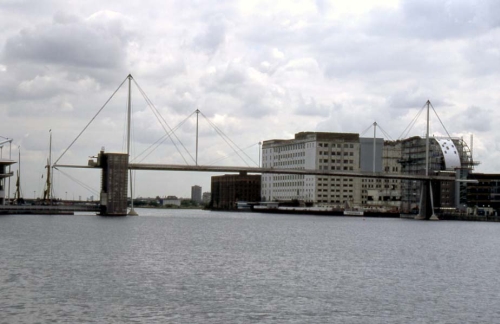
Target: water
column 185, row 266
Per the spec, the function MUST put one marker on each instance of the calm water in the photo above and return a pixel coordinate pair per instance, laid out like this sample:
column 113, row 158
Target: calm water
column 204, row 267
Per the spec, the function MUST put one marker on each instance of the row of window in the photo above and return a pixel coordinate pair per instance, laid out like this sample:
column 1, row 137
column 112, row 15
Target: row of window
column 336, row 185
column 336, row 179
column 288, row 184
column 379, row 186
column 380, row 180
column 345, row 145
column 292, row 162
column 286, row 177
column 289, row 155
column 290, row 147
column 334, row 196
column 336, row 161
column 336, row 153
column 339, row 168
column 326, row 190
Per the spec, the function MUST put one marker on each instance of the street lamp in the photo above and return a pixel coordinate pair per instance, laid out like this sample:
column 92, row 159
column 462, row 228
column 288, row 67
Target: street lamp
column 66, row 195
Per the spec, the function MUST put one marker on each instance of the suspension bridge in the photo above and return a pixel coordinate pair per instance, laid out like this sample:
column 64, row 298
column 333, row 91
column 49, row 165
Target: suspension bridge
column 117, row 167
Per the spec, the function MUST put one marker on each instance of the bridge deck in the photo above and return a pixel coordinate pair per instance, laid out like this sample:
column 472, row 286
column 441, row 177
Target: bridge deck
column 211, row 168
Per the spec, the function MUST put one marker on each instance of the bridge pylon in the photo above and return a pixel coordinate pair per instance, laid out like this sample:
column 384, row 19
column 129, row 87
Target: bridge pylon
column 113, row 183
column 427, row 199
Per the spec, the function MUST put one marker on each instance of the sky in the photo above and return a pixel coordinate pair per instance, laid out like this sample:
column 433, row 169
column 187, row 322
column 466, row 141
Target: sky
column 256, row 70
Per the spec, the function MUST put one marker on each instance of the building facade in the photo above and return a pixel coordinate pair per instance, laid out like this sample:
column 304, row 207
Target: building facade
column 171, row 201
column 484, row 193
column 313, row 150
column 349, row 152
column 383, row 193
column 228, row 190
column 446, row 156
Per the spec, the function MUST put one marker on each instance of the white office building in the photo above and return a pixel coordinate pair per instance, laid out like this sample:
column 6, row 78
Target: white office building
column 312, row 150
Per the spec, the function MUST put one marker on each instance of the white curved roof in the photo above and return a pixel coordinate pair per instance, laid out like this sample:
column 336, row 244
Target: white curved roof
column 450, row 153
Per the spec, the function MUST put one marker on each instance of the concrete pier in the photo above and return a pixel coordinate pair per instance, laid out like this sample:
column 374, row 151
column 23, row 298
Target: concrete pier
column 113, row 183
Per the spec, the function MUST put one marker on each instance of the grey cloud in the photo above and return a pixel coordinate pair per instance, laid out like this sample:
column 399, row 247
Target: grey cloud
column 322, row 6
column 29, row 7
column 414, row 97
column 245, row 90
column 94, row 44
column 474, row 119
column 436, row 20
column 212, row 36
column 482, row 54
column 182, row 99
column 359, row 55
column 280, row 31
column 309, row 107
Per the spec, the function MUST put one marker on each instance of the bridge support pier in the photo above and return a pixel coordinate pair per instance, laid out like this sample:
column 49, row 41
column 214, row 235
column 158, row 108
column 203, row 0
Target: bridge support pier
column 426, row 207
column 113, row 183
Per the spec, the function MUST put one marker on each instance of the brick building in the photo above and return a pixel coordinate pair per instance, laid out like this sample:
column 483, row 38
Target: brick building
column 229, row 189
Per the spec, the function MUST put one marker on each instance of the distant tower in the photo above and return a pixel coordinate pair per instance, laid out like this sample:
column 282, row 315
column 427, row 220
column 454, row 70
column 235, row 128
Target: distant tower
column 196, row 194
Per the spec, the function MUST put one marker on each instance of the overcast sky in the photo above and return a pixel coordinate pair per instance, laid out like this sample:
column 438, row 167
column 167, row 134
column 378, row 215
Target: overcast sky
column 258, row 70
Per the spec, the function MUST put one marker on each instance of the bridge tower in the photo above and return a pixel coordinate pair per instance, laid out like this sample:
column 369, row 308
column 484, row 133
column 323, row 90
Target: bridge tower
column 113, row 183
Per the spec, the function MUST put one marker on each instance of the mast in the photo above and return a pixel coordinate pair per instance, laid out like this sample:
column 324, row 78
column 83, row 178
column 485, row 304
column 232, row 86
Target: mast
column 197, row 113
column 427, row 142
column 427, row 191
column 47, row 195
column 129, row 118
column 18, row 182
column 374, row 143
column 10, row 158
column 260, row 150
column 129, row 113
column 51, row 192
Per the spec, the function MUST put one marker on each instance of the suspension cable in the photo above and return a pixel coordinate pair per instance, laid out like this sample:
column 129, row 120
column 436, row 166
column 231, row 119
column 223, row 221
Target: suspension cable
column 160, row 118
column 160, row 141
column 226, row 156
column 83, row 185
column 366, row 130
column 440, row 120
column 228, row 141
column 384, row 132
column 90, row 122
column 412, row 123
